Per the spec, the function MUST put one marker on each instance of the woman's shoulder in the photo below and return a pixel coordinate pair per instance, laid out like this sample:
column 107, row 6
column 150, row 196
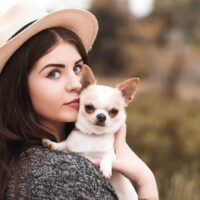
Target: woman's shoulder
column 45, row 174
column 46, row 162
column 41, row 161
column 41, row 157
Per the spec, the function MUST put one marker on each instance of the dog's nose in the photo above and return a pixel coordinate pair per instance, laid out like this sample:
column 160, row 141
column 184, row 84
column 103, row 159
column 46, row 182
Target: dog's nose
column 101, row 117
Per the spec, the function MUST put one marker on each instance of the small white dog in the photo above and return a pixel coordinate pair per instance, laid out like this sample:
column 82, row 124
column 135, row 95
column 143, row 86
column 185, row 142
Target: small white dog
column 101, row 114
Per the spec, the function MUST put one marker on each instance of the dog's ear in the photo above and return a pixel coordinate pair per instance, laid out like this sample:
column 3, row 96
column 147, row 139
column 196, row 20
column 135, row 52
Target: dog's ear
column 87, row 77
column 128, row 89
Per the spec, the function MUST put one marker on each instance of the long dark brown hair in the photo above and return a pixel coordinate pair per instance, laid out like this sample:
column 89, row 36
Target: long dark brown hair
column 19, row 125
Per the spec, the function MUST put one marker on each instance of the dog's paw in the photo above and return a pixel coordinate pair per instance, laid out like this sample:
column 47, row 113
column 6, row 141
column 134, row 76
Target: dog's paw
column 106, row 169
column 47, row 143
column 54, row 145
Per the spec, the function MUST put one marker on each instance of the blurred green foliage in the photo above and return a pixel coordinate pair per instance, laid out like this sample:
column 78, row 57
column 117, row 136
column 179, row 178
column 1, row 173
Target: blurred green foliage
column 179, row 14
column 165, row 132
column 161, row 46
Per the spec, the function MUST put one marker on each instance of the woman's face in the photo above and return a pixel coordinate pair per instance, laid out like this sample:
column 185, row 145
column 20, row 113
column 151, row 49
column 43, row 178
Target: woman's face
column 54, row 84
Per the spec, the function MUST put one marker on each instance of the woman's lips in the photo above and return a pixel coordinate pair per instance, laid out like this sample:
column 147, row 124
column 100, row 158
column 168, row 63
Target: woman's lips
column 73, row 104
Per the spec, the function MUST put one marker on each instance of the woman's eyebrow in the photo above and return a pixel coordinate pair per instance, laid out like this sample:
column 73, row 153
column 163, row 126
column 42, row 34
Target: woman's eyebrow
column 52, row 65
column 58, row 65
column 80, row 60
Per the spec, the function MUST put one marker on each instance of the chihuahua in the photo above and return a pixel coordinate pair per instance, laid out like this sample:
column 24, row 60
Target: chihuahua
column 101, row 114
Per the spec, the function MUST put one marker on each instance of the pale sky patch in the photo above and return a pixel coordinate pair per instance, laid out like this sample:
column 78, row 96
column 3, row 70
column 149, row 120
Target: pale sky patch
column 140, row 8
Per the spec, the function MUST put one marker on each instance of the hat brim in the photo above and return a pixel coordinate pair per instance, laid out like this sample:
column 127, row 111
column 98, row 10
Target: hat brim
column 81, row 22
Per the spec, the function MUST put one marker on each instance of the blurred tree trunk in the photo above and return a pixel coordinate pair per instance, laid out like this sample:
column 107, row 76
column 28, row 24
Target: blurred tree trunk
column 116, row 31
column 177, row 43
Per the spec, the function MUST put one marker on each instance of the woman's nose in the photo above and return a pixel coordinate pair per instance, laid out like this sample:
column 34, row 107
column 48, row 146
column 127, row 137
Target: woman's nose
column 73, row 83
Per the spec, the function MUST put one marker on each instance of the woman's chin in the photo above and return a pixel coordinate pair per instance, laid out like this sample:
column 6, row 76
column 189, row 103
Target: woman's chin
column 71, row 117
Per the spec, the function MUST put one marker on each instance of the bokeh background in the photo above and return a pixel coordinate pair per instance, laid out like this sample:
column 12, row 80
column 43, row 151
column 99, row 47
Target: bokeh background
column 158, row 41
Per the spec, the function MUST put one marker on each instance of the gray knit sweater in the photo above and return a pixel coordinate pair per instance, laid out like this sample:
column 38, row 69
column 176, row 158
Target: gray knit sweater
column 46, row 174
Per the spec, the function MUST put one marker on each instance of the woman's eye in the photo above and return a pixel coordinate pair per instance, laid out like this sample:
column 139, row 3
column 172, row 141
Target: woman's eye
column 77, row 68
column 53, row 74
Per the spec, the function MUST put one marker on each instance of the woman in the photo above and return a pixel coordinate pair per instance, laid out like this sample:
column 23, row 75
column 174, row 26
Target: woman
column 40, row 63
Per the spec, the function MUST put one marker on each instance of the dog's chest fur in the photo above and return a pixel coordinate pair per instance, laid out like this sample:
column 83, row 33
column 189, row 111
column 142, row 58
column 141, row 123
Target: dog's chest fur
column 91, row 146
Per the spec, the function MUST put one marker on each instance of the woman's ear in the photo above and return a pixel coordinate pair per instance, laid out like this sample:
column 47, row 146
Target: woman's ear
column 87, row 76
column 128, row 89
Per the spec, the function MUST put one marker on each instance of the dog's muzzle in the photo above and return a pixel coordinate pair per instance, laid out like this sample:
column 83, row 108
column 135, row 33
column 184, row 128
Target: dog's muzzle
column 101, row 118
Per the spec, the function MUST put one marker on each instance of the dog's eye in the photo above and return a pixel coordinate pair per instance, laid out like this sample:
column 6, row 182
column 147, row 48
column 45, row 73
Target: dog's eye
column 113, row 112
column 89, row 108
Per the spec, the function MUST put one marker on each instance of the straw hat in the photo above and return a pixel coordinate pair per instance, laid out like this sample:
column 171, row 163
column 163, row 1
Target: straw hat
column 82, row 22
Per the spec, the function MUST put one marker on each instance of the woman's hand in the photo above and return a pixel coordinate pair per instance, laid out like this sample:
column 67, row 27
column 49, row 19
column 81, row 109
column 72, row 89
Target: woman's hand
column 131, row 166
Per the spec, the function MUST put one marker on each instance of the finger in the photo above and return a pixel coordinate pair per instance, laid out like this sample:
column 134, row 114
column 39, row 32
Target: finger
column 95, row 161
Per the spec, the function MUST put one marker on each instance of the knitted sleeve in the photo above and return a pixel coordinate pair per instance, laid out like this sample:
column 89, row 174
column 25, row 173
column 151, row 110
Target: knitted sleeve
column 46, row 174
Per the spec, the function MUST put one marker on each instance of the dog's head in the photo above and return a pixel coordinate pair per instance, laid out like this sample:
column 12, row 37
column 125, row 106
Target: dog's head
column 102, row 108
